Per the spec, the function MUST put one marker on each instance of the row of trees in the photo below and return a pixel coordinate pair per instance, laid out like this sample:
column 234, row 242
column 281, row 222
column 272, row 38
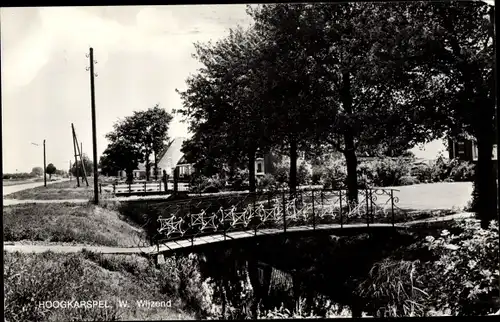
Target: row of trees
column 349, row 77
column 136, row 139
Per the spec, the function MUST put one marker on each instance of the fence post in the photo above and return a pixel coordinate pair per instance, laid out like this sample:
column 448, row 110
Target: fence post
column 114, row 187
column 145, row 186
column 224, row 223
column 254, row 214
column 130, row 187
column 341, row 210
column 392, row 206
column 284, row 212
column 191, row 225
column 367, row 195
column 314, row 216
column 100, row 188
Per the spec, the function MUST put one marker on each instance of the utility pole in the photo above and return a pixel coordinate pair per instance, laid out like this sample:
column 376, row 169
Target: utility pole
column 94, row 135
column 76, row 159
column 44, row 166
column 69, row 172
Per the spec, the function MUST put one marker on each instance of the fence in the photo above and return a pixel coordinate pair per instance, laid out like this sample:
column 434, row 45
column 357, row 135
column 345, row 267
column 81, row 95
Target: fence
column 144, row 187
column 281, row 210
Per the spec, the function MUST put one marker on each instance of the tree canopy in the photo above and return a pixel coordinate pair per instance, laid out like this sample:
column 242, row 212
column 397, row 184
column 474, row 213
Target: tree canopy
column 136, row 139
column 352, row 76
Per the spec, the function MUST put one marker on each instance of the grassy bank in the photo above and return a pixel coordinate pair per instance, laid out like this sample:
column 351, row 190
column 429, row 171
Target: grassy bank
column 65, row 222
column 34, row 278
column 66, row 190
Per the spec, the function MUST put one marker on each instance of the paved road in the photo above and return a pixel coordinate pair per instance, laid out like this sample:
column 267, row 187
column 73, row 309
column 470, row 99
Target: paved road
column 11, row 189
column 433, row 196
column 13, row 247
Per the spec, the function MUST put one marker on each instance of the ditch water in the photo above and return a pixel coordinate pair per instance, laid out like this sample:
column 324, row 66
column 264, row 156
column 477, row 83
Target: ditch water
column 321, row 273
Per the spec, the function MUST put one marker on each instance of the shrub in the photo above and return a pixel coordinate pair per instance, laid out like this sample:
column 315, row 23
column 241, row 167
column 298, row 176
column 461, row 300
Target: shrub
column 408, row 180
column 388, row 172
column 317, row 174
column 181, row 277
column 266, row 182
column 461, row 170
column 440, row 170
column 202, row 184
column 282, row 173
column 304, row 173
column 465, row 278
column 335, row 175
column 365, row 174
column 423, row 172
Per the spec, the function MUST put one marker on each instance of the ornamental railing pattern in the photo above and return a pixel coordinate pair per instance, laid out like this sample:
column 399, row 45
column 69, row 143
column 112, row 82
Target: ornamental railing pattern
column 279, row 210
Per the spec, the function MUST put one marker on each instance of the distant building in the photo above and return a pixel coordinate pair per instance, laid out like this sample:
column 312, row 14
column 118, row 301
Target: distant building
column 466, row 149
column 170, row 158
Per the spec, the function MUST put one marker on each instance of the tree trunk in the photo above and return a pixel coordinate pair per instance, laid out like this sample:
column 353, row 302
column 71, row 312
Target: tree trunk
column 156, row 166
column 485, row 181
column 293, row 166
column 352, row 165
column 251, row 170
column 349, row 149
column 148, row 167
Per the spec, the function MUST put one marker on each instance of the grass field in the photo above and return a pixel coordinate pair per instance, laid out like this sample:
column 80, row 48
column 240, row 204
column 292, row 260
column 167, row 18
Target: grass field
column 34, row 278
column 70, row 223
column 7, row 183
column 56, row 191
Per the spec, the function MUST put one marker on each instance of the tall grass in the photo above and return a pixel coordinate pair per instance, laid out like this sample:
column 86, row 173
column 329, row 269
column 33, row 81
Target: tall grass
column 82, row 223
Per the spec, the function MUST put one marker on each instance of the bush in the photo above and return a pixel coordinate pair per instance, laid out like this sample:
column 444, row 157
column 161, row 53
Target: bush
column 18, row 176
column 423, row 172
column 465, row 278
column 317, row 174
column 202, row 184
column 304, row 173
column 335, row 175
column 408, row 181
column 182, row 278
column 266, row 182
column 461, row 170
column 388, row 172
column 440, row 170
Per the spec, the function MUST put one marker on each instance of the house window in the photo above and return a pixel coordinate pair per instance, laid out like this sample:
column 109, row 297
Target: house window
column 259, row 167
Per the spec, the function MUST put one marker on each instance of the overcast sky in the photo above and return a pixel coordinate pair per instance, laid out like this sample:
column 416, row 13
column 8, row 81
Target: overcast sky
column 143, row 54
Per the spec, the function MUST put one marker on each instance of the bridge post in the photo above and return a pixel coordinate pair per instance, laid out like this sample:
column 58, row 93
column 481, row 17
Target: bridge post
column 367, row 195
column 145, row 186
column 130, row 187
column 314, row 216
column 392, row 206
column 191, row 225
column 284, row 212
column 114, row 187
column 223, row 223
column 341, row 210
column 255, row 224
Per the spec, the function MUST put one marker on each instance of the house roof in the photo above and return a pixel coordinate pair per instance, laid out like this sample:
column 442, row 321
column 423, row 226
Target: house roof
column 172, row 154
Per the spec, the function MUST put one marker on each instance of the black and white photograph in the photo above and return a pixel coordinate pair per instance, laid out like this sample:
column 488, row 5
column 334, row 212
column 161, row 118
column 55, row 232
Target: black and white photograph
column 250, row 161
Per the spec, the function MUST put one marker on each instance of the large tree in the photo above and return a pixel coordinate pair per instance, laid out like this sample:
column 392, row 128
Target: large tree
column 345, row 73
column 460, row 45
column 87, row 164
column 144, row 134
column 223, row 104
column 51, row 169
column 151, row 131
